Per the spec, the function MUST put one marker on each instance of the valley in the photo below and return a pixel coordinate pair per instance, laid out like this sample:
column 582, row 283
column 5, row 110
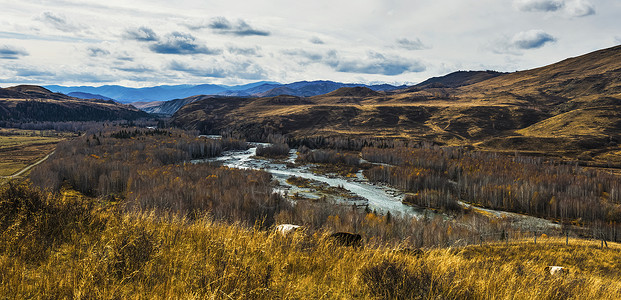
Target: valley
column 465, row 186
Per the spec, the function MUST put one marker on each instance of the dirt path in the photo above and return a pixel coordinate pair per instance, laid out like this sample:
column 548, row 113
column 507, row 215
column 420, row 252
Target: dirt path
column 24, row 170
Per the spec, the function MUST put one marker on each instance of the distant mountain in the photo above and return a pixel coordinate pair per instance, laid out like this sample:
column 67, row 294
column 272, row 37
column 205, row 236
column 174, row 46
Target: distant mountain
column 28, row 103
column 168, row 108
column 258, row 89
column 156, row 93
column 168, row 92
column 82, row 95
column 315, row 88
column 456, row 79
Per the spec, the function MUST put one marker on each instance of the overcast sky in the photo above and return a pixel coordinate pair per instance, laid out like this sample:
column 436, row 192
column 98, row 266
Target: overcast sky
column 144, row 43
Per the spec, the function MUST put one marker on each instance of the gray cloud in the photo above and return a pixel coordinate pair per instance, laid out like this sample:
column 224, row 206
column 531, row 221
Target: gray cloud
column 135, row 69
column 31, row 72
column 539, row 5
column 316, row 40
column 221, row 25
column 181, row 43
column 373, row 63
column 59, row 22
column 618, row 39
column 96, row 52
column 244, row 51
column 240, row 70
column 411, row 44
column 143, row 34
column 9, row 52
column 377, row 63
column 308, row 56
column 525, row 40
column 124, row 56
column 531, row 39
column 571, row 8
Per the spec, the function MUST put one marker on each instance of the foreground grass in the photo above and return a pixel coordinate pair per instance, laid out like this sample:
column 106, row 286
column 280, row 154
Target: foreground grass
column 66, row 247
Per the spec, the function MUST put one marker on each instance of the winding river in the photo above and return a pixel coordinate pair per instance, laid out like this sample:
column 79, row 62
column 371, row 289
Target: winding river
column 378, row 197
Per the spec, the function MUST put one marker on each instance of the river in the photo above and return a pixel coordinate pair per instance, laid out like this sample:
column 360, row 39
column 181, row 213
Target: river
column 381, row 198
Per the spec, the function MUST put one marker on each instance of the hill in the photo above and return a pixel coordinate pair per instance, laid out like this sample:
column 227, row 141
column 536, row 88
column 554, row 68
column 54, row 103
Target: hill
column 27, row 103
column 572, row 103
column 456, row 79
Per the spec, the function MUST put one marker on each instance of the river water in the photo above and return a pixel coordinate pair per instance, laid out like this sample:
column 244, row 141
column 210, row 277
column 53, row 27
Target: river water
column 380, row 198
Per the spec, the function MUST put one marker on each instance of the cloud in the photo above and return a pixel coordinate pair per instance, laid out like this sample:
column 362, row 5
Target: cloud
column 316, row 40
column 181, row 43
column 373, row 63
column 531, row 39
column 9, row 52
column 579, row 8
column 221, row 25
column 539, row 5
column 618, row 39
column 240, row 70
column 571, row 8
column 377, row 63
column 525, row 40
column 59, row 22
column 142, row 34
column 97, row 52
column 244, row 51
column 308, row 56
column 135, row 69
column 28, row 71
column 411, row 44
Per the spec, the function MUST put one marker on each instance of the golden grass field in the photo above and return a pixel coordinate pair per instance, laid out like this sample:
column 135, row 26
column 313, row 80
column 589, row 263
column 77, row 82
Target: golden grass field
column 98, row 252
column 20, row 148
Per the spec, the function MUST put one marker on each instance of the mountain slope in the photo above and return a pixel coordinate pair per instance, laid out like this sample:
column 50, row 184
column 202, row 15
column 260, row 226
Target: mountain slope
column 457, row 79
column 36, row 104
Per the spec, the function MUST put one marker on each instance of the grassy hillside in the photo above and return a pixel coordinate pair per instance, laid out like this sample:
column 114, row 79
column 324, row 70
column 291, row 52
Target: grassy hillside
column 70, row 246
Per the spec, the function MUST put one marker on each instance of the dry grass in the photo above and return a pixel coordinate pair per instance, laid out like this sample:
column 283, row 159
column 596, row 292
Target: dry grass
column 104, row 254
column 20, row 148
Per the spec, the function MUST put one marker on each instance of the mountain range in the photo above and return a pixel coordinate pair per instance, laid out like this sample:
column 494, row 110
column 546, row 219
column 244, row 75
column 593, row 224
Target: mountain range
column 570, row 109
column 170, row 92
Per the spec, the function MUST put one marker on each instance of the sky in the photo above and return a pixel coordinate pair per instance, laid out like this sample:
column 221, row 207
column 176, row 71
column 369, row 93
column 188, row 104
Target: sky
column 146, row 43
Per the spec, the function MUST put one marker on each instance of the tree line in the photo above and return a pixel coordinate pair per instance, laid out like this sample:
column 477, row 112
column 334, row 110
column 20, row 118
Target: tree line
column 530, row 185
